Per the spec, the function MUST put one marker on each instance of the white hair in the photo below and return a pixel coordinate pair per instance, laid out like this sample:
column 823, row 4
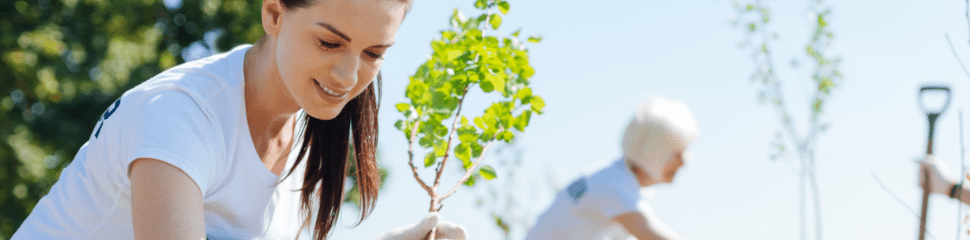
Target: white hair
column 660, row 128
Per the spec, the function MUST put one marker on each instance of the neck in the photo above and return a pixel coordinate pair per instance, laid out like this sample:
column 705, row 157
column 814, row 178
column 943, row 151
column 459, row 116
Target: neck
column 269, row 105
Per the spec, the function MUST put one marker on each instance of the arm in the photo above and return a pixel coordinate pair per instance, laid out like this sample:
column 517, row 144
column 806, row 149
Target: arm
column 165, row 202
column 941, row 182
column 964, row 194
column 637, row 225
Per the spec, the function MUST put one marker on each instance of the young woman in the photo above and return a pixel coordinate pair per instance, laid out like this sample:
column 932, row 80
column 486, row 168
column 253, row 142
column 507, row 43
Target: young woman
column 203, row 150
column 606, row 202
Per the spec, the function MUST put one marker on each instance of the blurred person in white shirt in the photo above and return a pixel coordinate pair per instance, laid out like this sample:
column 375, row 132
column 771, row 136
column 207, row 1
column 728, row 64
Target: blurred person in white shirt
column 604, row 204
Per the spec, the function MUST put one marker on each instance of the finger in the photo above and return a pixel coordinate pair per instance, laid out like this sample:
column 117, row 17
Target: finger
column 426, row 224
column 447, row 230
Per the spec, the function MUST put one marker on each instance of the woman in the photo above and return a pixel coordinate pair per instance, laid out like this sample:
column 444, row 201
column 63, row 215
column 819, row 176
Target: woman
column 603, row 204
column 178, row 157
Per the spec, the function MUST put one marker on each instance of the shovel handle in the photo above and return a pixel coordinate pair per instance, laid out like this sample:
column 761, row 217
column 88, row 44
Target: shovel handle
column 926, row 205
column 924, row 89
column 932, row 116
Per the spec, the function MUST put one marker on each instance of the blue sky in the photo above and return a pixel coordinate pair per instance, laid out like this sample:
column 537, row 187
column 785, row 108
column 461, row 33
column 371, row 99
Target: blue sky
column 598, row 60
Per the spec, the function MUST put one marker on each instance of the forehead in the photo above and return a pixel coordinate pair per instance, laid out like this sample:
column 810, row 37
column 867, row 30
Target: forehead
column 372, row 21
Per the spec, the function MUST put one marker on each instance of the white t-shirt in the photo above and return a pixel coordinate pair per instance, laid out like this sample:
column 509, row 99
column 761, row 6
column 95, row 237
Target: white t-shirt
column 586, row 208
column 193, row 117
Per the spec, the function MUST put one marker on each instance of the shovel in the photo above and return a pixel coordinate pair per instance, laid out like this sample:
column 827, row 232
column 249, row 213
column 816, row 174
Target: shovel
column 932, row 114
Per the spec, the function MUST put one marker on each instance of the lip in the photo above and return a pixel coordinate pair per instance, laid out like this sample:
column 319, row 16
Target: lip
column 329, row 94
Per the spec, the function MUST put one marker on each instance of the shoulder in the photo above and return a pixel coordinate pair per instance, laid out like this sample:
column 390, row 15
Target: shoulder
column 615, row 178
column 208, row 87
column 203, row 78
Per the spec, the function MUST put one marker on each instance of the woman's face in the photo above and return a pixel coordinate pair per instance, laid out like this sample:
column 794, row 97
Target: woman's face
column 329, row 52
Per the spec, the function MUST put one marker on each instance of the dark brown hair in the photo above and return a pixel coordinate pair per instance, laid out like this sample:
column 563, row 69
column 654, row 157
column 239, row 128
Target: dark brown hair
column 327, row 147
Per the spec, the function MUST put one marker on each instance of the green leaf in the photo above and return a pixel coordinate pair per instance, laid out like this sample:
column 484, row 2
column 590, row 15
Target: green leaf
column 507, row 120
column 467, row 134
column 416, row 90
column 538, row 104
column 439, row 100
column 401, row 107
column 524, row 94
column 487, row 172
column 479, row 122
column 481, row 4
column 491, row 122
column 452, row 54
column 464, row 153
column 488, row 134
column 503, row 7
column 440, row 147
column 464, row 121
column 506, row 136
column 460, row 79
column 429, row 159
column 440, row 130
column 495, row 21
column 527, row 72
column 473, row 77
column 476, row 149
column 516, row 33
column 523, row 120
column 535, row 38
column 399, row 125
column 471, row 180
column 425, row 142
column 487, row 86
column 498, row 82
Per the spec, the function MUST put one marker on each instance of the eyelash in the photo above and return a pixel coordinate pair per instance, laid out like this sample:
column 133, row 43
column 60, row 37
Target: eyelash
column 329, row 45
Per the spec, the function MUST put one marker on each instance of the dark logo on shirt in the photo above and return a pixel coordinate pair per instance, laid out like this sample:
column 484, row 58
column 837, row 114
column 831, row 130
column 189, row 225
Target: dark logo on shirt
column 577, row 189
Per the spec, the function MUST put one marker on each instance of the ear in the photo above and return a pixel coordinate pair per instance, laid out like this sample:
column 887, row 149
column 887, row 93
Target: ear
column 272, row 16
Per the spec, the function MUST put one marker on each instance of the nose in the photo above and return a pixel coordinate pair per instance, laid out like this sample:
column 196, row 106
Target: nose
column 344, row 73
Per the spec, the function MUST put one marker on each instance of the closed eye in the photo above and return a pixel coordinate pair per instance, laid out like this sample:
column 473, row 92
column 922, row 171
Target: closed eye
column 374, row 55
column 329, row 45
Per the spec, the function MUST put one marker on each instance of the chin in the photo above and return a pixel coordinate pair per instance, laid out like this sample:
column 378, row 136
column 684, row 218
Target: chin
column 323, row 114
column 668, row 178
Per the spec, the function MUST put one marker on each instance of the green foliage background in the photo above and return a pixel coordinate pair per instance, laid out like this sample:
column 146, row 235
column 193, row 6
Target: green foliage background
column 62, row 62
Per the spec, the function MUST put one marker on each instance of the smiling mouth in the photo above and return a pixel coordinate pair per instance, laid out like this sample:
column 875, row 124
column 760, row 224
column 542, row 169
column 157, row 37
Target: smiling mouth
column 329, row 91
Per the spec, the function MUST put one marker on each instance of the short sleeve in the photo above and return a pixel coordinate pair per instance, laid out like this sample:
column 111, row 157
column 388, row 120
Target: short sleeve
column 613, row 201
column 171, row 126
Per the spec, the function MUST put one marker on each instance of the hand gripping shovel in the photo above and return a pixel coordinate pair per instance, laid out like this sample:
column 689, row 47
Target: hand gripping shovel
column 932, row 114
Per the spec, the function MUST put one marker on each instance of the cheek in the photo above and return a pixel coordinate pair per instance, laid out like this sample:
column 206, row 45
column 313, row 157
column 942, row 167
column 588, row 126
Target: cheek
column 293, row 60
column 365, row 76
column 284, row 60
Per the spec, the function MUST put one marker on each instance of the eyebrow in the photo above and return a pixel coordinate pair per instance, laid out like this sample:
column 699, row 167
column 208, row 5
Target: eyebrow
column 344, row 36
column 334, row 30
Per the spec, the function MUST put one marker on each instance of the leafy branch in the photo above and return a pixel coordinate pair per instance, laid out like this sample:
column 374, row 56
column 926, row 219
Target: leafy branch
column 466, row 59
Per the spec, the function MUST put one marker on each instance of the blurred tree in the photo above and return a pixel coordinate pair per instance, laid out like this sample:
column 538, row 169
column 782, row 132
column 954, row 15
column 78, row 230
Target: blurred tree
column 754, row 19
column 63, row 62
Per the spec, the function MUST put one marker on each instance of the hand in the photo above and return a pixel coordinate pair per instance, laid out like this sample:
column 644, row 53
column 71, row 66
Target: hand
column 420, row 230
column 940, row 179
